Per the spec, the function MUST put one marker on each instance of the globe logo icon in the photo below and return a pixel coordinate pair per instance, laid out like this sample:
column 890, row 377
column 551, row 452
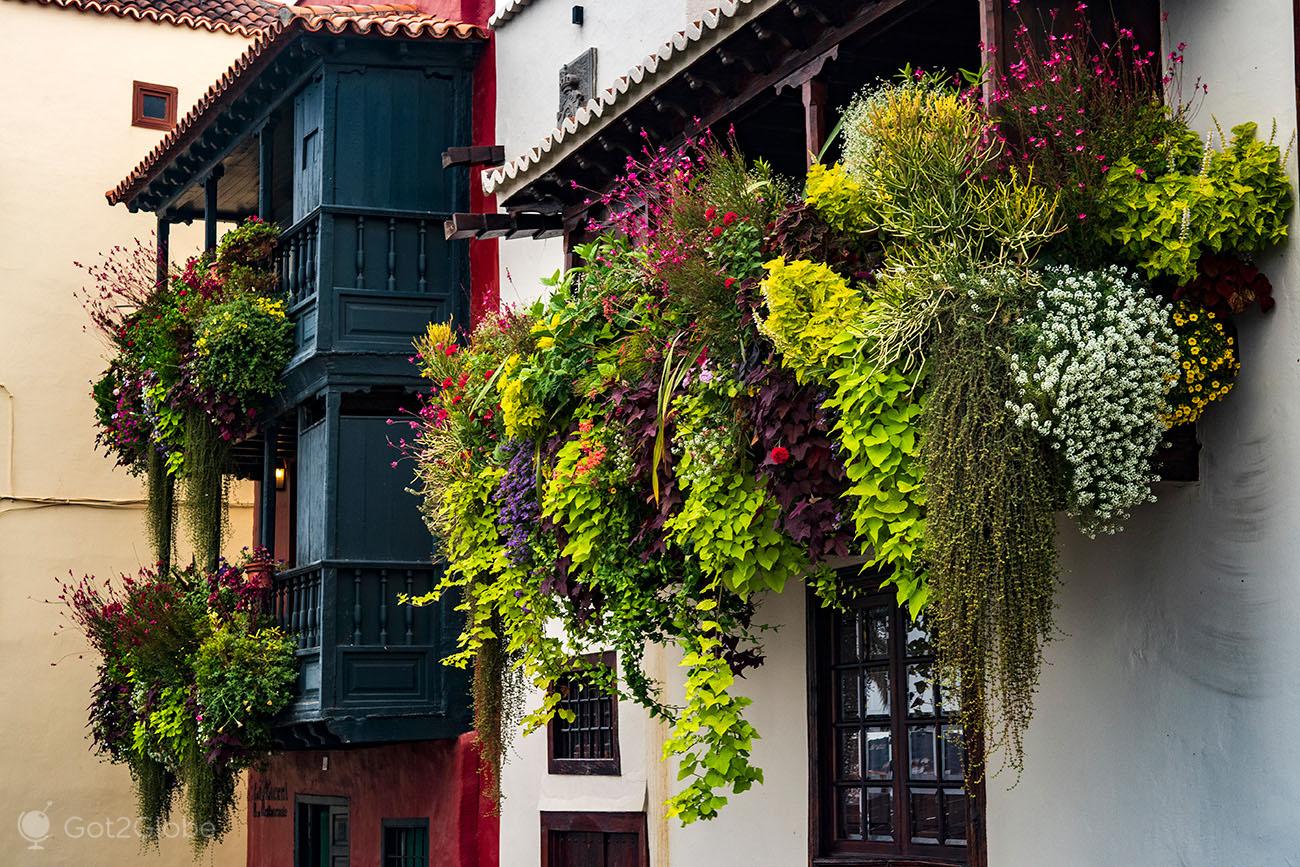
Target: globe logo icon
column 34, row 826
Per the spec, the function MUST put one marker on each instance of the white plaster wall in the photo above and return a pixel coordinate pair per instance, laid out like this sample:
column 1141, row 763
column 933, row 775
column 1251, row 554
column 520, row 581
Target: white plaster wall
column 764, row 827
column 1163, row 736
column 531, row 47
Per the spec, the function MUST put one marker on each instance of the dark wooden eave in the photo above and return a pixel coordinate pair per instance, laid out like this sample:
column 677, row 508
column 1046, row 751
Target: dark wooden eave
column 741, row 74
column 475, row 155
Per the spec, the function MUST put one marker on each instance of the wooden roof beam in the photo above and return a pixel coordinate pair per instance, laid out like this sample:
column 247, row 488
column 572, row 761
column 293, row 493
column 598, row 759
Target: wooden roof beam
column 475, row 155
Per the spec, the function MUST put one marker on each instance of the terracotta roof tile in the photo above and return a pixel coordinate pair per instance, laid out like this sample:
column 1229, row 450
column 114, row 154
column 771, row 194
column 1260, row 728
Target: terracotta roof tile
column 387, row 20
column 242, row 17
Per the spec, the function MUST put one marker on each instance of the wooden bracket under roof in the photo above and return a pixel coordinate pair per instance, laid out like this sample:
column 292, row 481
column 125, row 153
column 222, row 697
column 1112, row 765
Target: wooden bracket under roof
column 477, row 227
column 477, row 155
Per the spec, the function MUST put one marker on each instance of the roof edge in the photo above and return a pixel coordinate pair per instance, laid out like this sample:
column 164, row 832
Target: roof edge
column 628, row 90
column 184, row 19
column 326, row 20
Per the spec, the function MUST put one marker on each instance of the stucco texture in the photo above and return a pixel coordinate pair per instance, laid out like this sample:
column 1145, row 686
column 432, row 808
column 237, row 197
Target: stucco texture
column 65, row 137
column 1162, row 732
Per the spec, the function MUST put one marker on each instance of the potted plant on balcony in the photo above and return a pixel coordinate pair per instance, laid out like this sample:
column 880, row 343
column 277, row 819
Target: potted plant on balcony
column 195, row 360
column 192, row 671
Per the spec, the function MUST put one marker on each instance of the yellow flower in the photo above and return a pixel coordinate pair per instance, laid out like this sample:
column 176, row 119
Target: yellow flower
column 439, row 334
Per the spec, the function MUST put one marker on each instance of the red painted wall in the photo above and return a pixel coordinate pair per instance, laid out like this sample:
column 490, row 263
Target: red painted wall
column 437, row 780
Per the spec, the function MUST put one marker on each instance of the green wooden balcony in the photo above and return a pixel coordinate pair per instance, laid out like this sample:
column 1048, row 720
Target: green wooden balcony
column 370, row 668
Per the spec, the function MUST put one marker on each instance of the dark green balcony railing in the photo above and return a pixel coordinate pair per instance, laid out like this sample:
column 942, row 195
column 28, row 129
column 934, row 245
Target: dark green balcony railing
column 369, row 668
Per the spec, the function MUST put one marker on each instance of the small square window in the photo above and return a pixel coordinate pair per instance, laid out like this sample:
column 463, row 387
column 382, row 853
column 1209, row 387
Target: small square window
column 153, row 106
column 406, row 843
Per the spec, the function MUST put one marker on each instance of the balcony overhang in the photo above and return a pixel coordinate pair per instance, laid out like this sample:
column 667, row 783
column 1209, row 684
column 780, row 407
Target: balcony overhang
column 728, row 66
column 216, row 137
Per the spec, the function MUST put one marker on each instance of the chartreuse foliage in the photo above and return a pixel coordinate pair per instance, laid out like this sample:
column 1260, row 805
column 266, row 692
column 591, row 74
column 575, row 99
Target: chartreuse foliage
column 195, row 359
column 1237, row 203
column 735, row 387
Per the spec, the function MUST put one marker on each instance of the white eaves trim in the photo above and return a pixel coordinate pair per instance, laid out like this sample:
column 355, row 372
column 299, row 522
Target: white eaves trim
column 637, row 84
column 508, row 11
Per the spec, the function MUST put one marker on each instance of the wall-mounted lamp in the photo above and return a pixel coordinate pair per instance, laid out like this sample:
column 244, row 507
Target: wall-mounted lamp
column 577, row 15
column 281, row 477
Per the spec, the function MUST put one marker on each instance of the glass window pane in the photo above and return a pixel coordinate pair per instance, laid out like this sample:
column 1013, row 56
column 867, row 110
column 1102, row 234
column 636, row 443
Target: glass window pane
column 880, row 754
column 153, row 105
column 952, row 752
column 921, row 756
column 848, row 695
column 849, row 808
column 875, row 688
column 846, row 629
column 880, row 814
column 918, row 639
column 849, row 765
column 954, row 817
column 876, row 627
column 920, row 689
column 925, row 815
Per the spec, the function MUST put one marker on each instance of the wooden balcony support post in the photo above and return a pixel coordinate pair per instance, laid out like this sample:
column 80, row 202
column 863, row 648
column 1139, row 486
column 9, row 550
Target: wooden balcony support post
column 808, row 78
column 814, row 117
column 210, row 209
column 266, row 521
column 265, row 155
column 163, row 238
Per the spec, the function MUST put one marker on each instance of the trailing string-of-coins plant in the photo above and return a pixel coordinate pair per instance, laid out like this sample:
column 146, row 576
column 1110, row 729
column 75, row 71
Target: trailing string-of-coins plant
column 882, row 368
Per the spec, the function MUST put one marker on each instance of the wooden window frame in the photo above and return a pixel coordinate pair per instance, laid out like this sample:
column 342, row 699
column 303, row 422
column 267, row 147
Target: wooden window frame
column 141, row 89
column 821, row 853
column 610, row 767
column 595, row 823
column 385, row 825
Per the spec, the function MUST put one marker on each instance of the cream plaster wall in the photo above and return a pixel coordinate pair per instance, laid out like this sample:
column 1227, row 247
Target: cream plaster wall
column 65, row 137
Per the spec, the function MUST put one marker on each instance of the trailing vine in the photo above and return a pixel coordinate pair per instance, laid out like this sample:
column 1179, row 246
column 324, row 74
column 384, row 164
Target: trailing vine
column 740, row 384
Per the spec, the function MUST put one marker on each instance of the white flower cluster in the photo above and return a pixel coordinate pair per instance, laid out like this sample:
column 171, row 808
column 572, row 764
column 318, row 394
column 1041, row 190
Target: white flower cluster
column 1093, row 384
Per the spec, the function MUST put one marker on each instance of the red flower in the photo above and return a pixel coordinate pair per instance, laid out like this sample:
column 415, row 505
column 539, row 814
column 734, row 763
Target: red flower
column 710, row 212
column 728, row 218
column 717, row 231
column 446, row 383
column 729, row 282
column 779, row 455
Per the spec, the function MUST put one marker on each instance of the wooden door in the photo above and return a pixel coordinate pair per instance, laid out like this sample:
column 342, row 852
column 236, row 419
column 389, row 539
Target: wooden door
column 594, row 840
